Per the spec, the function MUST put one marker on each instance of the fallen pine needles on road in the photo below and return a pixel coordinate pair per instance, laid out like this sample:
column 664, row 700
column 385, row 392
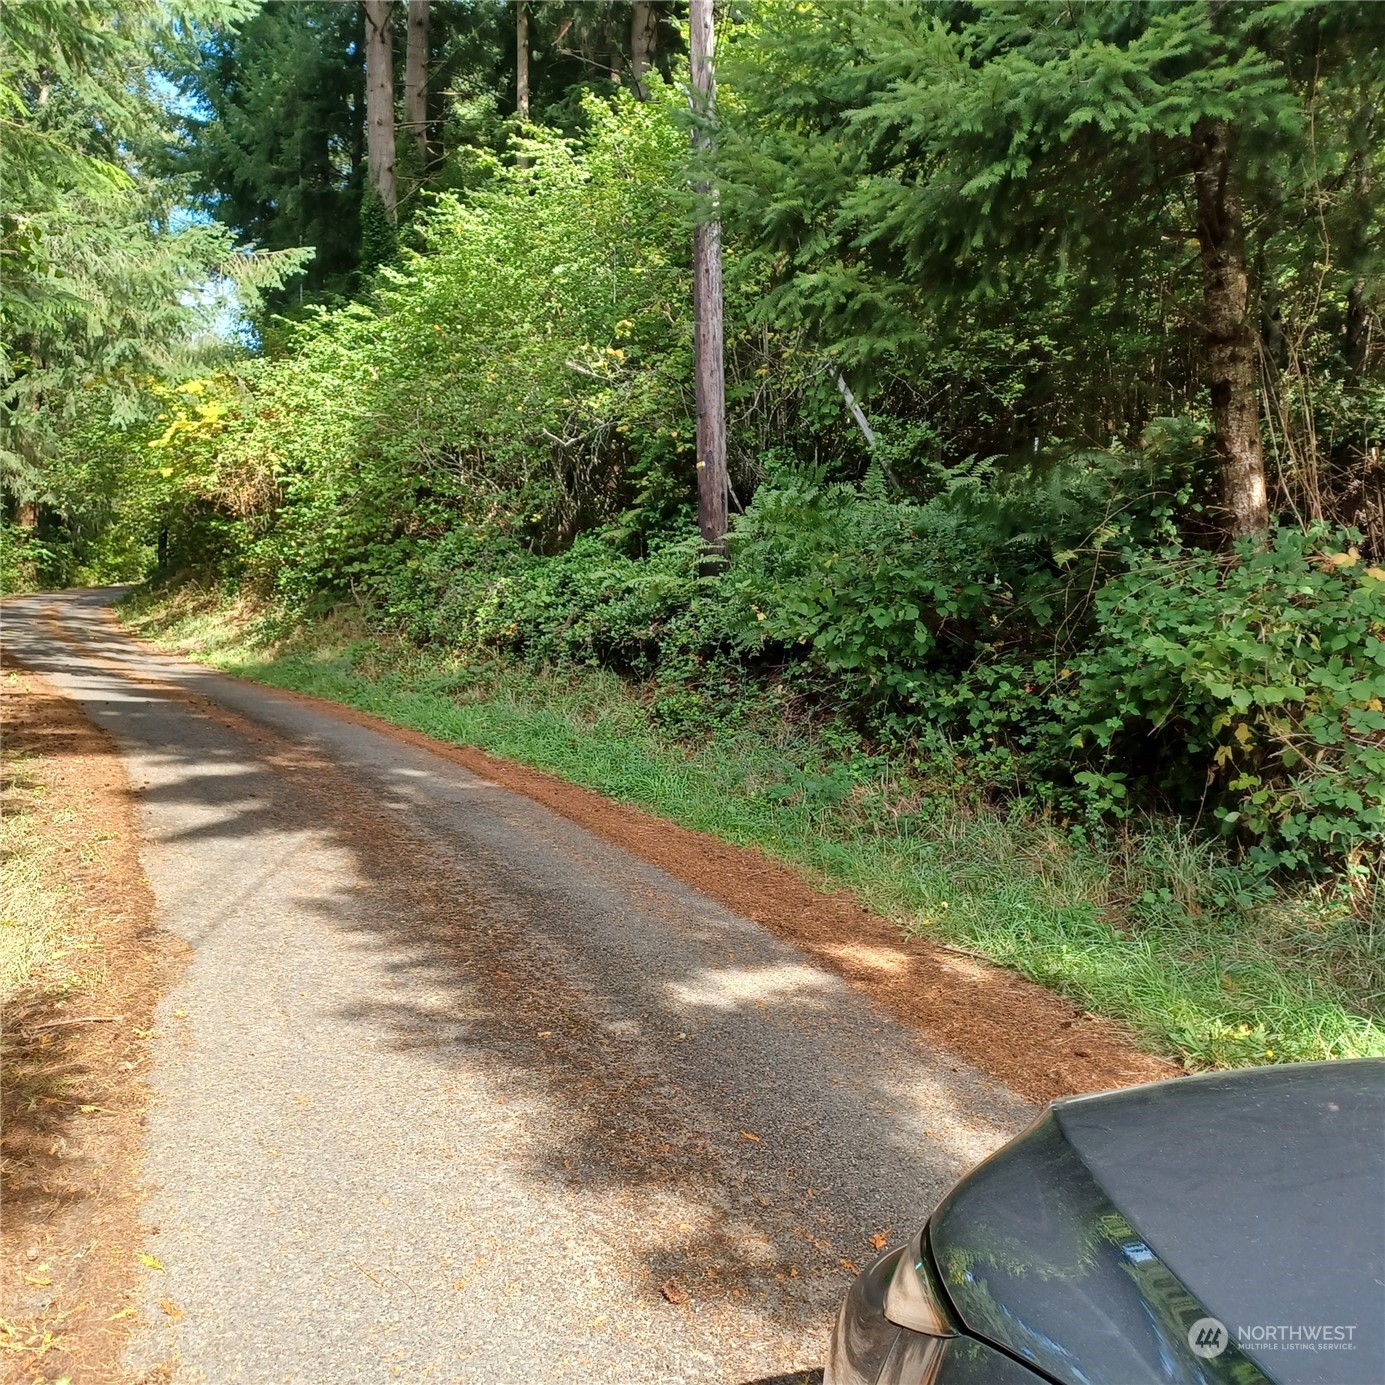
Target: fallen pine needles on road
column 75, row 936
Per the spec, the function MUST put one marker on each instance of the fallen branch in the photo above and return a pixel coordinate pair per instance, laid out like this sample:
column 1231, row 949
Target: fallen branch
column 80, row 1019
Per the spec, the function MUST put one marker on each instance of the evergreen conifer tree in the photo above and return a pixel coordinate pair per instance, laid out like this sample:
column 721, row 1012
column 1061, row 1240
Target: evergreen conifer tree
column 907, row 157
column 274, row 146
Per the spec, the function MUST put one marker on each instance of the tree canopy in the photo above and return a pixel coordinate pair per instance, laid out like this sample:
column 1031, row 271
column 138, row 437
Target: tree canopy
column 100, row 280
column 917, row 169
column 272, row 140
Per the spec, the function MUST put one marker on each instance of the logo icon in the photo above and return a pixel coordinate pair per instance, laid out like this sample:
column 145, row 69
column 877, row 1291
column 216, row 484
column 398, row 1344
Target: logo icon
column 1208, row 1338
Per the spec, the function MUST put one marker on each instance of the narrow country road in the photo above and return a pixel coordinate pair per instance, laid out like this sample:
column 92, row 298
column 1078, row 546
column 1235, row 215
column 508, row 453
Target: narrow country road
column 452, row 1090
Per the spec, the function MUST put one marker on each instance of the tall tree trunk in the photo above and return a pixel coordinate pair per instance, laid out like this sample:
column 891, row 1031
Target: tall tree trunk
column 1356, row 337
column 416, row 79
column 522, row 59
column 379, row 102
column 708, row 343
column 1229, row 345
column 644, row 30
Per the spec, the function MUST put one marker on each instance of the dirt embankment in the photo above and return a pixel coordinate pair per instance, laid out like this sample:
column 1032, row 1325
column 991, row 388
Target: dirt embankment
column 74, row 1050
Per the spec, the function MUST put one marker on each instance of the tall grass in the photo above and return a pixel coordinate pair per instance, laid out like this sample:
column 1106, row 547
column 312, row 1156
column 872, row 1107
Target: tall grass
column 1153, row 926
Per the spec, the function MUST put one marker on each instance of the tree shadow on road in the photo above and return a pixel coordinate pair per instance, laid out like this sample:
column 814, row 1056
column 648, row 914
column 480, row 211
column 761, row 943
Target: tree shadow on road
column 760, row 1129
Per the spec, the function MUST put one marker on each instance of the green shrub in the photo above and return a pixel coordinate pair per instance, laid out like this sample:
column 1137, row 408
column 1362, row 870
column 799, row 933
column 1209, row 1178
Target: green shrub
column 24, row 558
column 591, row 604
column 1246, row 691
column 870, row 591
column 1251, row 684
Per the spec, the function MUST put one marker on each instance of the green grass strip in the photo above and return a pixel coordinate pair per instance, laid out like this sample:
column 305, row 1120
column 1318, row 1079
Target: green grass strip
column 1138, row 928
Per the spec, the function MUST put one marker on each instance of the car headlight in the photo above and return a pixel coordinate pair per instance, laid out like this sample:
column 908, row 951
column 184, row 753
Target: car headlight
column 913, row 1298
column 893, row 1312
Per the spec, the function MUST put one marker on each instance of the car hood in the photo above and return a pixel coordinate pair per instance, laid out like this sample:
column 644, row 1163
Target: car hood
column 1090, row 1246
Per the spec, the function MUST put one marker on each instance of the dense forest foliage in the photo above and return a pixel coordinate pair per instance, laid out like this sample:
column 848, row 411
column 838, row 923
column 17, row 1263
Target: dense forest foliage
column 1105, row 280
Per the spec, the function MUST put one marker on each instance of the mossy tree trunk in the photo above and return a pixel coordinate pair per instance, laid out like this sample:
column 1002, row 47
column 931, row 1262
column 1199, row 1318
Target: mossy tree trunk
column 1229, row 338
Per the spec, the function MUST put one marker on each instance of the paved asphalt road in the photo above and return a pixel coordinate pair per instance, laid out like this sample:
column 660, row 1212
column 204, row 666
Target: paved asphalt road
column 451, row 1088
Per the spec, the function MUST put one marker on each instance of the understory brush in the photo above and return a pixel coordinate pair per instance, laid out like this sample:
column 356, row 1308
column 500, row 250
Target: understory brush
column 1144, row 918
column 985, row 639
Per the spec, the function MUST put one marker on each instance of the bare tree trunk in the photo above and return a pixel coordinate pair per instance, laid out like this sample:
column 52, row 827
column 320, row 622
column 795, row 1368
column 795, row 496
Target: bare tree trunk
column 644, row 29
column 416, row 79
column 708, row 344
column 379, row 99
column 522, row 59
column 1229, row 346
column 1356, row 338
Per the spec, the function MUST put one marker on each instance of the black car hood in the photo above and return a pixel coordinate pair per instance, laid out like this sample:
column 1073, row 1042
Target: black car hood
column 1090, row 1246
